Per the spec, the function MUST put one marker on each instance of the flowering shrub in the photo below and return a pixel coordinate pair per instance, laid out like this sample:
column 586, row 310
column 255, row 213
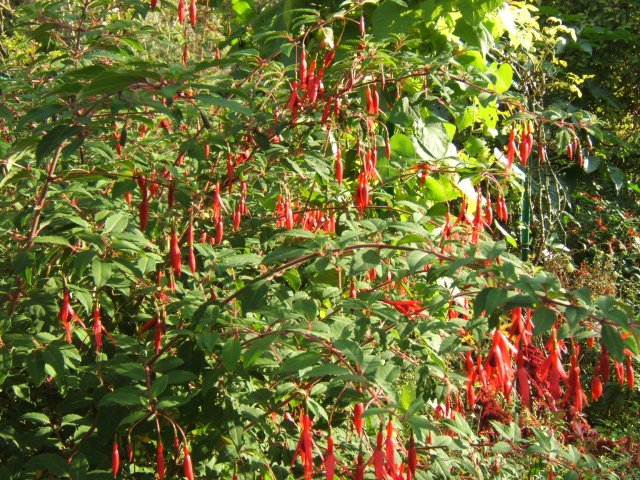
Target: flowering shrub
column 243, row 245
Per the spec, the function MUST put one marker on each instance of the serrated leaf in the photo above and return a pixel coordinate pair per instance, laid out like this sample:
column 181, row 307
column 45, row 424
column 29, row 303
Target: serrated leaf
column 51, row 239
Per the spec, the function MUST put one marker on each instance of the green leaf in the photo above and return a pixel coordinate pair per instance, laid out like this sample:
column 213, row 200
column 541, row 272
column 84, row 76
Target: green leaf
column 393, row 18
column 242, row 260
column 124, row 396
column 46, row 462
column 159, row 385
column 299, row 362
column 433, row 139
column 327, row 370
column 504, row 73
column 55, row 138
column 489, row 300
column 111, row 81
column 54, row 240
column 363, row 261
column 407, row 396
column 5, row 364
column 231, row 353
column 243, row 9
column 253, row 296
column 101, row 271
column 292, row 277
column 36, row 417
column 501, row 447
column 224, row 103
column 416, row 260
column 543, row 319
column 613, row 341
column 116, row 223
column 617, row 177
column 402, row 146
column 257, row 348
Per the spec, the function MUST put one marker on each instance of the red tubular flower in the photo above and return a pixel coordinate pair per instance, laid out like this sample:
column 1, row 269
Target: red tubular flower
column 390, row 450
column 97, row 328
column 619, row 371
column 629, row 371
column 369, row 100
column 181, row 11
column 328, row 58
column 511, row 148
column 218, row 206
column 358, row 423
column 237, row 216
column 412, row 459
column 305, row 447
column 157, row 337
column 330, row 460
column 219, row 232
column 526, row 146
column 522, row 376
column 409, row 308
column 552, row 369
column 362, row 193
column 115, row 459
column 328, row 108
column 498, row 363
column 160, row 466
column 174, row 253
column 188, row 466
column 192, row 13
column 130, row 452
column 66, row 315
column 575, row 388
column 143, row 207
column 293, row 98
column 488, row 213
column 605, row 367
column 375, row 100
column 288, row 214
column 192, row 260
column 378, row 459
column 303, row 68
column 372, row 274
column 353, row 293
column 339, row 167
column 596, row 385
column 360, row 468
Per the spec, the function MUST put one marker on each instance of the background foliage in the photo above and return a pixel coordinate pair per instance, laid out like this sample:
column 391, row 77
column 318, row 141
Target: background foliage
column 215, row 256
